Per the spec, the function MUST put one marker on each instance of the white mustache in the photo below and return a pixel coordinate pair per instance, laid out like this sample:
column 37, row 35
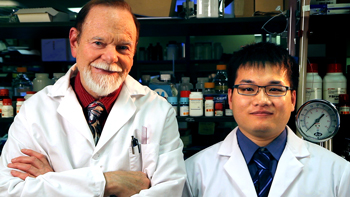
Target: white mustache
column 107, row 67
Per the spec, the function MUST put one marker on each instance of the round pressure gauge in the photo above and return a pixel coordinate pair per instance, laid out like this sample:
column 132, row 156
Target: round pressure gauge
column 317, row 120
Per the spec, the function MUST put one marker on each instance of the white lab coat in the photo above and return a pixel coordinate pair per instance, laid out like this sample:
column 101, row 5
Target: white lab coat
column 304, row 169
column 52, row 123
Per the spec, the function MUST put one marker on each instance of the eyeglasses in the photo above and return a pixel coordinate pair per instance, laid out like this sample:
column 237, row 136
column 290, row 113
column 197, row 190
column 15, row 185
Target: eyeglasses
column 270, row 90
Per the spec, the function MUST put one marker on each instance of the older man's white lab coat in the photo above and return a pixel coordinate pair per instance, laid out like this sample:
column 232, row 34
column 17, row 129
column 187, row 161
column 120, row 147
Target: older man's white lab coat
column 304, row 169
column 52, row 123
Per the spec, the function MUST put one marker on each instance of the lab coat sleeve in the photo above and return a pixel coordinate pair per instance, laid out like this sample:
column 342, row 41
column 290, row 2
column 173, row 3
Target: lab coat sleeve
column 344, row 188
column 87, row 181
column 170, row 174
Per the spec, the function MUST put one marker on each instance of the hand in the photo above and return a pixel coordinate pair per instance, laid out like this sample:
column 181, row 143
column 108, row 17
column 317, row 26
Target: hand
column 125, row 183
column 33, row 165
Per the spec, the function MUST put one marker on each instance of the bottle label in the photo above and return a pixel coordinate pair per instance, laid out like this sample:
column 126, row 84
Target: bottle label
column 7, row 112
column 332, row 94
column 0, row 106
column 313, row 93
column 344, row 110
column 183, row 110
column 219, row 113
column 209, row 109
column 196, row 107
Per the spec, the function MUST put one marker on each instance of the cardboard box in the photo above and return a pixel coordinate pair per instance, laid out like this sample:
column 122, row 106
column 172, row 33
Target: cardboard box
column 41, row 15
column 247, row 8
column 56, row 50
column 158, row 8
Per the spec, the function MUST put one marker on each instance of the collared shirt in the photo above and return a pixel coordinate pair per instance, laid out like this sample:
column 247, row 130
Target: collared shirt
column 248, row 149
column 85, row 98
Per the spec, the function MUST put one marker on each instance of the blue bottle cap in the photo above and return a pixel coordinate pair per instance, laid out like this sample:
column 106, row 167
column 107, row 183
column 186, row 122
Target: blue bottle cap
column 172, row 100
column 184, row 100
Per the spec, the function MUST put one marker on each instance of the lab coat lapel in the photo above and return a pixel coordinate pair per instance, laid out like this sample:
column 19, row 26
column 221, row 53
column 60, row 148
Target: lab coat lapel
column 236, row 166
column 121, row 112
column 289, row 166
column 71, row 110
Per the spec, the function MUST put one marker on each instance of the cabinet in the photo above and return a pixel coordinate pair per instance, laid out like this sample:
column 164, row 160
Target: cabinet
column 151, row 27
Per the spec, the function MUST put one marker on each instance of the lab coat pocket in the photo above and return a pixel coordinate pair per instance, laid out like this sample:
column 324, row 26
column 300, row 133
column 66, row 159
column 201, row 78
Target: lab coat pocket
column 135, row 159
column 149, row 158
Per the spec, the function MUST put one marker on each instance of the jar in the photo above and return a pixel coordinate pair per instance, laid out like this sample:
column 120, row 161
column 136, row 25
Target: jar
column 196, row 104
column 313, row 82
column 209, row 106
column 184, row 106
column 56, row 76
column 7, row 109
column 334, row 83
column 173, row 101
column 19, row 104
column 219, row 109
column 29, row 94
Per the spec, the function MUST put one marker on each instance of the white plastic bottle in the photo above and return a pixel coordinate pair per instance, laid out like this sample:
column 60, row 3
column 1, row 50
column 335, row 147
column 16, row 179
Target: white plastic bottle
column 41, row 81
column 313, row 82
column 7, row 109
column 196, row 104
column 334, row 83
column 19, row 104
column 209, row 106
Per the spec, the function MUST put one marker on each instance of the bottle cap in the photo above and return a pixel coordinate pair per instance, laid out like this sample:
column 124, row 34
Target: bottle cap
column 185, row 93
column 218, row 106
column 21, row 69
column 312, row 68
column 185, row 79
column 209, row 85
column 334, row 68
column 221, row 67
column 209, row 98
column 30, row 92
column 4, row 92
column 45, row 75
column 20, row 99
column 7, row 101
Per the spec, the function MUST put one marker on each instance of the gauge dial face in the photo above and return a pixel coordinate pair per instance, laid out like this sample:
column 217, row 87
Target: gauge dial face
column 317, row 120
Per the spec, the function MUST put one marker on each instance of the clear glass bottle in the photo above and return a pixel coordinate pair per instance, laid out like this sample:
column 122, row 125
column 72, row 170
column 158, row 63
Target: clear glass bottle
column 221, row 79
column 21, row 84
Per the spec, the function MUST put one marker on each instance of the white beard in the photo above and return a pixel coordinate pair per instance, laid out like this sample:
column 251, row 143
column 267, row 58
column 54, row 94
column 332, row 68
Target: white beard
column 102, row 85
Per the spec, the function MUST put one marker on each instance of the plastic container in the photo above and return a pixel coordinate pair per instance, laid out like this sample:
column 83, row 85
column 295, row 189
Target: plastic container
column 334, row 83
column 145, row 79
column 209, row 106
column 219, row 109
column 56, row 76
column 19, row 104
column 313, row 82
column 21, row 84
column 184, row 106
column 221, row 79
column 4, row 94
column 40, row 81
column 7, row 109
column 173, row 101
column 196, row 104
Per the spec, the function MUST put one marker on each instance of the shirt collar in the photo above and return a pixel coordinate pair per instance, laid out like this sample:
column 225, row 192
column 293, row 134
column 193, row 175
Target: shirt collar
column 248, row 147
column 85, row 98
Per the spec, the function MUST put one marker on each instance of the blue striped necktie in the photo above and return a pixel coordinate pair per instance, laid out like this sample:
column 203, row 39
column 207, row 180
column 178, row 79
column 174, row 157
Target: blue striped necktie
column 263, row 177
column 95, row 110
